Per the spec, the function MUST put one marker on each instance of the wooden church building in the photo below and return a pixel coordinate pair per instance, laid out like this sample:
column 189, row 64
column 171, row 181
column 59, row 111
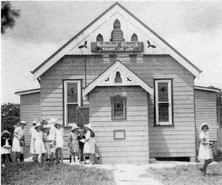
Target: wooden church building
column 135, row 89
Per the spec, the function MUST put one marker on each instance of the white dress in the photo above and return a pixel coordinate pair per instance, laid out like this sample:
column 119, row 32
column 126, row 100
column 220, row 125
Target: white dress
column 31, row 131
column 59, row 138
column 18, row 133
column 38, row 144
column 204, row 150
column 89, row 146
column 51, row 136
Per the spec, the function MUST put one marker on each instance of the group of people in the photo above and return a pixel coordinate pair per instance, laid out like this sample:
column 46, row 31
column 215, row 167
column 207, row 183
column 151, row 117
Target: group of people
column 47, row 141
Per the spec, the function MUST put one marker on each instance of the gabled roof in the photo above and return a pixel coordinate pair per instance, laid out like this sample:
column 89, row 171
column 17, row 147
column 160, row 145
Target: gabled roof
column 64, row 49
column 107, row 78
column 25, row 92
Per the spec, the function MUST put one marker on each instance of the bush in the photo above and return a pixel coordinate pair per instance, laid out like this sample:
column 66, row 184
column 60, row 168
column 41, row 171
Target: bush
column 217, row 154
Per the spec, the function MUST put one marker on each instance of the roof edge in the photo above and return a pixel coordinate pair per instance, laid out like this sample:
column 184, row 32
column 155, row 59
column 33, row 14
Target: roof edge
column 206, row 88
column 30, row 91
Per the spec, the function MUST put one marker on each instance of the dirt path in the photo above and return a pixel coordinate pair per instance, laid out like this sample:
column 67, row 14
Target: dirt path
column 130, row 174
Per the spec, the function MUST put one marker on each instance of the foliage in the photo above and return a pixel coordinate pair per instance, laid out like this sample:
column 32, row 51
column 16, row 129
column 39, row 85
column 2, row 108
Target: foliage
column 10, row 115
column 29, row 173
column 188, row 175
column 8, row 16
column 217, row 153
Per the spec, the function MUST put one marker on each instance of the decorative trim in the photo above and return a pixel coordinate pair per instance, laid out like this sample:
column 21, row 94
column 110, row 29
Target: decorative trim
column 107, row 78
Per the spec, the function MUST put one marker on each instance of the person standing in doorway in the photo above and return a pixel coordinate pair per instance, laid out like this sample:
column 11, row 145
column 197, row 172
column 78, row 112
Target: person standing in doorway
column 19, row 142
column 205, row 152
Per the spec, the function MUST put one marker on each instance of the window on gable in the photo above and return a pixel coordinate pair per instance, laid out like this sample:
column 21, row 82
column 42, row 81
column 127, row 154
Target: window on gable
column 99, row 38
column 118, row 104
column 163, row 102
column 134, row 38
column 72, row 100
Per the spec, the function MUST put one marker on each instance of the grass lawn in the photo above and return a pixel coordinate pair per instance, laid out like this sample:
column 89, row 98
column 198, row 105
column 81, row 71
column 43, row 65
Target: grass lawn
column 188, row 175
column 29, row 173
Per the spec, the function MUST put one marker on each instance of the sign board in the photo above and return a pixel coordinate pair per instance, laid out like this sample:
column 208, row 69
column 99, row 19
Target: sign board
column 119, row 134
column 116, row 46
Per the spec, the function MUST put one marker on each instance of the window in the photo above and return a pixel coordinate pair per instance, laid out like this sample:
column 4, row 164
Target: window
column 163, row 102
column 72, row 100
column 118, row 104
column 99, row 38
column 134, row 37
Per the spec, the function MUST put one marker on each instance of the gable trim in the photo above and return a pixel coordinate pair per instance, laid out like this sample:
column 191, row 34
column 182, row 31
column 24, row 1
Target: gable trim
column 178, row 56
column 117, row 66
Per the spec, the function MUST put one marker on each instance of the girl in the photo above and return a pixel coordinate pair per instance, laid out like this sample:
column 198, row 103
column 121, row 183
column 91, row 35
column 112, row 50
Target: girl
column 73, row 143
column 19, row 141
column 46, row 141
column 31, row 131
column 205, row 152
column 59, row 141
column 51, row 137
column 38, row 144
column 89, row 146
column 6, row 144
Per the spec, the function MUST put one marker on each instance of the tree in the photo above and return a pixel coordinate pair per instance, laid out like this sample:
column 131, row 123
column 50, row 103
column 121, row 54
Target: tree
column 10, row 114
column 8, row 16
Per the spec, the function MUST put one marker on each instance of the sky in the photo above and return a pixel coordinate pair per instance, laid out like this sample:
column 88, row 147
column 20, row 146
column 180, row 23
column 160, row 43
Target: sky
column 194, row 28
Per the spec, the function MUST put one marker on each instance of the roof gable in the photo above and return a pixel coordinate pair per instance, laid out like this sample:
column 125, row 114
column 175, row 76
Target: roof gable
column 117, row 75
column 103, row 24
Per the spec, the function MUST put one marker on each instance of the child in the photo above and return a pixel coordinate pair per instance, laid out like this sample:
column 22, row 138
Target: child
column 31, row 131
column 38, row 144
column 89, row 146
column 73, row 143
column 19, row 141
column 51, row 137
column 205, row 152
column 6, row 144
column 59, row 141
column 46, row 141
column 81, row 138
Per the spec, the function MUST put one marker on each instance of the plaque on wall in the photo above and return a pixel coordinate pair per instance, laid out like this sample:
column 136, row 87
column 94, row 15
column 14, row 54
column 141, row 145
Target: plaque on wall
column 119, row 134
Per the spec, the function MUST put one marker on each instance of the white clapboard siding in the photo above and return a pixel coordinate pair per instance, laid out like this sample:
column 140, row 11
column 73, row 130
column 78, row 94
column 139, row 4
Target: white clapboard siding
column 206, row 111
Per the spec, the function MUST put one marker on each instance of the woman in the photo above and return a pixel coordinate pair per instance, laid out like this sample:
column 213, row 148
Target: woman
column 19, row 141
column 89, row 146
column 6, row 144
column 46, row 141
column 205, row 152
column 73, row 143
column 38, row 144
column 31, row 131
column 59, row 141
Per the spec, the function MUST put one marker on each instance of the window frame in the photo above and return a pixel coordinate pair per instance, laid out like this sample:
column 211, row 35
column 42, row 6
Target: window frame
column 116, row 97
column 79, row 103
column 170, row 101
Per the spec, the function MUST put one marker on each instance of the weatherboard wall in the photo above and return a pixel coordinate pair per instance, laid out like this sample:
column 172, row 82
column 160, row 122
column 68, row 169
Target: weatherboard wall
column 177, row 140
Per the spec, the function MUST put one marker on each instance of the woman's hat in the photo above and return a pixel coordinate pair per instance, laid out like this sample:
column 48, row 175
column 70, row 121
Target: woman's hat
column 6, row 132
column 74, row 127
column 38, row 125
column 204, row 124
column 88, row 126
column 52, row 120
column 34, row 122
column 23, row 122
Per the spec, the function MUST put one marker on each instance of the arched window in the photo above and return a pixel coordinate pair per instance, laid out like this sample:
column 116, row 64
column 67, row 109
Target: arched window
column 118, row 78
column 99, row 38
column 116, row 24
column 117, row 34
column 134, row 37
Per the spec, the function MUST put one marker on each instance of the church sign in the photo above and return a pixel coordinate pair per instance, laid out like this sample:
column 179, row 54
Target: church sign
column 116, row 46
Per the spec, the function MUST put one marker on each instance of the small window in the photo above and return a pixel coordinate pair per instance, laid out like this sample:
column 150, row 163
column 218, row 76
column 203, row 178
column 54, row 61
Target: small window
column 72, row 100
column 163, row 102
column 134, row 38
column 99, row 38
column 118, row 104
column 118, row 78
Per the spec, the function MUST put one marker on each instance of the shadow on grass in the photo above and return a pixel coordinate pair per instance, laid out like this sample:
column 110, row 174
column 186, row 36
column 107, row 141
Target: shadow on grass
column 30, row 173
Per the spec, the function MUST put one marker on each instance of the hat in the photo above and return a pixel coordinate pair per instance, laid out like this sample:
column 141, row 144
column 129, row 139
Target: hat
column 23, row 122
column 204, row 124
column 74, row 127
column 6, row 132
column 58, row 123
column 47, row 127
column 34, row 122
column 88, row 126
column 52, row 120
column 38, row 125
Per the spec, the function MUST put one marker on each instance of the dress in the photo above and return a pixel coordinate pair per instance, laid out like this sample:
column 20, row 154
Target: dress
column 5, row 145
column 46, row 143
column 59, row 138
column 31, row 131
column 89, row 146
column 204, row 150
column 51, row 136
column 73, row 142
column 39, row 147
column 18, row 134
